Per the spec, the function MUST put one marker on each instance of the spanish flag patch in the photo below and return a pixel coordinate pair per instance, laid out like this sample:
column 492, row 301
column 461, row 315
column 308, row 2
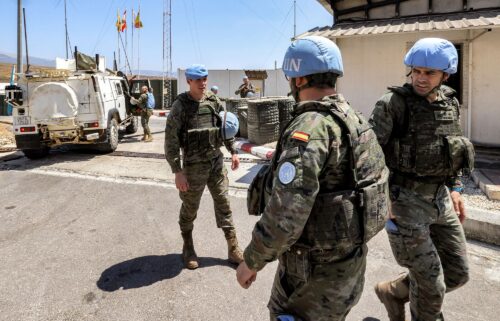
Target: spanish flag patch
column 304, row 137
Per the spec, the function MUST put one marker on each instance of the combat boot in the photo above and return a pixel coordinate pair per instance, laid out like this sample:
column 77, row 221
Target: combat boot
column 149, row 138
column 188, row 254
column 394, row 294
column 234, row 253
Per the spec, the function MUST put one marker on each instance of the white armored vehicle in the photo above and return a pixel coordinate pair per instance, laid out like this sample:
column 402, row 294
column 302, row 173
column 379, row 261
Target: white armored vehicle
column 73, row 105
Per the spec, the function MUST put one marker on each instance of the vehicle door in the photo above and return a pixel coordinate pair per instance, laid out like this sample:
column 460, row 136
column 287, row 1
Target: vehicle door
column 120, row 102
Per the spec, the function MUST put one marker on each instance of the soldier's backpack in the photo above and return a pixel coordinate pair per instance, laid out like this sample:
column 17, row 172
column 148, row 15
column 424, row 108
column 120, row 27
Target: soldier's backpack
column 370, row 175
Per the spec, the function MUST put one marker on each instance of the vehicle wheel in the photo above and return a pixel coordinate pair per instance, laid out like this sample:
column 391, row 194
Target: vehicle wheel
column 111, row 138
column 133, row 126
column 36, row 153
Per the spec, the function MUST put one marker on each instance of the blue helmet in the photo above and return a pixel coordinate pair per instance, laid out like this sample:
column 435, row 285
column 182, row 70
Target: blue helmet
column 433, row 53
column 230, row 128
column 214, row 88
column 196, row 72
column 312, row 55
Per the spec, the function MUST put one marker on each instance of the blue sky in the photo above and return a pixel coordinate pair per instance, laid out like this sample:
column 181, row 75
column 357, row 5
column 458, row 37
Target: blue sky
column 232, row 34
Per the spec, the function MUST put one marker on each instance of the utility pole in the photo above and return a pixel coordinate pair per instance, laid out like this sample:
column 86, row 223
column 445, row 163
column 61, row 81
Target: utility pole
column 19, row 67
column 167, row 54
column 66, row 28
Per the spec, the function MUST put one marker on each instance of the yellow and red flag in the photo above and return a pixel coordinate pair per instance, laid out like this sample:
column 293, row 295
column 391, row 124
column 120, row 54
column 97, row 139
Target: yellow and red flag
column 138, row 22
column 124, row 21
column 118, row 21
column 301, row 136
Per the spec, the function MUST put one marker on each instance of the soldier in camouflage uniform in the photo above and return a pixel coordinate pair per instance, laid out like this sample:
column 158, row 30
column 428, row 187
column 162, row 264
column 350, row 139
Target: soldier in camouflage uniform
column 419, row 128
column 146, row 113
column 193, row 126
column 311, row 222
column 245, row 88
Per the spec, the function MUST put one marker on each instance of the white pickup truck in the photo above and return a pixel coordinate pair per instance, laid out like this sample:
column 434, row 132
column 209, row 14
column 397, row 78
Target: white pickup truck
column 62, row 106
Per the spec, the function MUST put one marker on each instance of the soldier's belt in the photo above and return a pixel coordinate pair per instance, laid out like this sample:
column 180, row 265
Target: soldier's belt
column 419, row 185
column 319, row 256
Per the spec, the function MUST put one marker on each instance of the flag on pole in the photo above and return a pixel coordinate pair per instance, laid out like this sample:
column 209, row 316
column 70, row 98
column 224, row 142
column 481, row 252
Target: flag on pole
column 124, row 21
column 138, row 22
column 118, row 21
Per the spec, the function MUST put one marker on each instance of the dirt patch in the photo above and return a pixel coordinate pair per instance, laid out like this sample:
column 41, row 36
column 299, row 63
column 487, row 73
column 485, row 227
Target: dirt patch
column 7, row 141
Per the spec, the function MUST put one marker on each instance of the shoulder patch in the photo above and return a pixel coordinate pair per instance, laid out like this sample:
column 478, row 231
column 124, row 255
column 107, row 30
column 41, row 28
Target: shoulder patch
column 286, row 173
column 304, row 137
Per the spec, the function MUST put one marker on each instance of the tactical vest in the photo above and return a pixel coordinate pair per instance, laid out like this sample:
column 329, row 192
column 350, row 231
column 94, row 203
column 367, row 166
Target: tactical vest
column 430, row 142
column 201, row 129
column 341, row 220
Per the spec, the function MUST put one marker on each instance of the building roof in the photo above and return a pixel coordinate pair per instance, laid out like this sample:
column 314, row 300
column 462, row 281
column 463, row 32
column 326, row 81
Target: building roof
column 456, row 21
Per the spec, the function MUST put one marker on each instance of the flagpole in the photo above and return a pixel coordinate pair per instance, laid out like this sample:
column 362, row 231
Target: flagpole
column 133, row 26
column 126, row 34
column 139, row 45
column 118, row 40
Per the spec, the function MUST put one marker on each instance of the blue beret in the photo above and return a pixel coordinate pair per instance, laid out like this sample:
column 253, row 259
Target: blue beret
column 196, row 72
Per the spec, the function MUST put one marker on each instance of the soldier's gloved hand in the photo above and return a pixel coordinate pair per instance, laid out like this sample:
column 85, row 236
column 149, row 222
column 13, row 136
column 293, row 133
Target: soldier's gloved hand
column 181, row 182
column 245, row 275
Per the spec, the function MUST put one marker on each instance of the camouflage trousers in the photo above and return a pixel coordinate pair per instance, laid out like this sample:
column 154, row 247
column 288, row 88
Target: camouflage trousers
column 318, row 292
column 145, row 115
column 431, row 244
column 213, row 174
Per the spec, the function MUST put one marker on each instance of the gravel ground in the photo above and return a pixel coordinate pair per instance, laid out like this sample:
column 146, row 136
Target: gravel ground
column 475, row 197
column 6, row 136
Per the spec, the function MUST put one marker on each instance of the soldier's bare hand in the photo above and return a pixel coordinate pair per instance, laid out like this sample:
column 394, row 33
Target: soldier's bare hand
column 245, row 275
column 458, row 205
column 181, row 182
column 235, row 162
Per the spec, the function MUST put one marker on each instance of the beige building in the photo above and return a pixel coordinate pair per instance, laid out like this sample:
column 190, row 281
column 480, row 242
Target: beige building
column 375, row 35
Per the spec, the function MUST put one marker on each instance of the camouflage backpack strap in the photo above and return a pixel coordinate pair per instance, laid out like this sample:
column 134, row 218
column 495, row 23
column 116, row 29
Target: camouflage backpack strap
column 406, row 92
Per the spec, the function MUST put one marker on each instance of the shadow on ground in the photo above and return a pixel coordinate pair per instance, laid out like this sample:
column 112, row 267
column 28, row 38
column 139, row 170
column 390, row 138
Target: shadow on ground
column 147, row 270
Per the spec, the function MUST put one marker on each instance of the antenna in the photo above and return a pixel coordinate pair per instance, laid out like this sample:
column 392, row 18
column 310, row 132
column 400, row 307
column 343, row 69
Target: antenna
column 19, row 66
column 294, row 19
column 167, row 53
column 26, row 43
column 66, row 28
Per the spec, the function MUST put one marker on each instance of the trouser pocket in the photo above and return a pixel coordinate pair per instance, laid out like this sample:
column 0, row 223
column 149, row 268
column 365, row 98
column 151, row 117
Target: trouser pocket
column 398, row 246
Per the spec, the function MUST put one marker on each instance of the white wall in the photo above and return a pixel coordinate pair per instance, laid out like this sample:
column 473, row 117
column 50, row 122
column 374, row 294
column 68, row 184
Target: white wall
column 372, row 63
column 485, row 89
column 228, row 82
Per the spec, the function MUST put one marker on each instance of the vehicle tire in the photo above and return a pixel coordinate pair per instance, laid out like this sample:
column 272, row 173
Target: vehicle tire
column 133, row 126
column 111, row 138
column 36, row 153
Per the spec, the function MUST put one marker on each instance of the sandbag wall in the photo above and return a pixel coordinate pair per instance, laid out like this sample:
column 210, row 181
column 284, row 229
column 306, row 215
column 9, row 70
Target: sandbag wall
column 263, row 121
column 285, row 108
column 239, row 107
column 233, row 104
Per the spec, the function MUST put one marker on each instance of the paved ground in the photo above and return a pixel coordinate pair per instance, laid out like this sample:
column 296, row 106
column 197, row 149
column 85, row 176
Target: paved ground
column 77, row 248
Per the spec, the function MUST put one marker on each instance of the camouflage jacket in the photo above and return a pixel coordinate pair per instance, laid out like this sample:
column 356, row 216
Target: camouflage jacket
column 317, row 149
column 179, row 120
column 142, row 101
column 390, row 117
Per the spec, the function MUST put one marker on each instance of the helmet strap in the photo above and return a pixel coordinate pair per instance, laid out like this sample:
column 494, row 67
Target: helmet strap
column 294, row 90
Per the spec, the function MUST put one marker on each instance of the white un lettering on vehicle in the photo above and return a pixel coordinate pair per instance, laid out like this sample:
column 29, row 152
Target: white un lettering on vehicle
column 292, row 64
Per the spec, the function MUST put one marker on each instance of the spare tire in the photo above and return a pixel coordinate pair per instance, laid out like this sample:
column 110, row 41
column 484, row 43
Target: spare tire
column 52, row 101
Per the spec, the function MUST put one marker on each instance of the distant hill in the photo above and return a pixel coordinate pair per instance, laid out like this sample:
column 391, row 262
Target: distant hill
column 12, row 59
column 7, row 60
